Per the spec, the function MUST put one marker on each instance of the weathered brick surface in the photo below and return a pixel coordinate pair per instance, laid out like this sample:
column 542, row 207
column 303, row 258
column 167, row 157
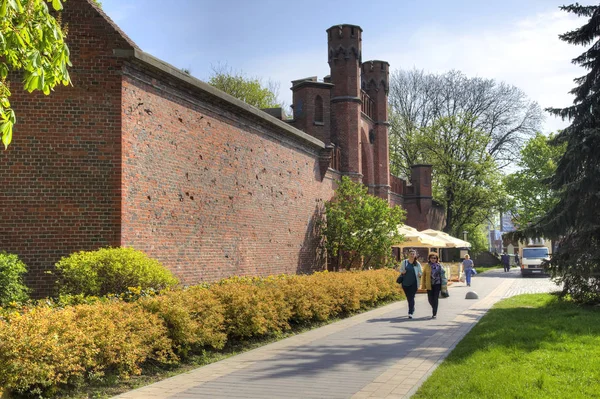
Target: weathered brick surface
column 136, row 154
column 211, row 192
column 61, row 175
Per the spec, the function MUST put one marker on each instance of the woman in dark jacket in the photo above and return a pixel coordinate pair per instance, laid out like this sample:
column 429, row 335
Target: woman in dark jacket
column 411, row 272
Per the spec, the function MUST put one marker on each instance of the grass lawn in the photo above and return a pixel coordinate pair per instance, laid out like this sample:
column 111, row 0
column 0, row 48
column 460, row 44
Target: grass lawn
column 483, row 269
column 528, row 346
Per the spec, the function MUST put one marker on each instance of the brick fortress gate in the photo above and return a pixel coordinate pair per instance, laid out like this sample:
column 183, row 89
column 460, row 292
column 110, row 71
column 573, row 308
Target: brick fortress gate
column 137, row 153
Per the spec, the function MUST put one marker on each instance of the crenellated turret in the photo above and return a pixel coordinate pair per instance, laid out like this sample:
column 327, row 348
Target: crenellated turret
column 344, row 44
column 375, row 79
column 345, row 52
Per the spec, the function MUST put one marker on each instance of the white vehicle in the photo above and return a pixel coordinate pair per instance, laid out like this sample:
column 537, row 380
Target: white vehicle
column 532, row 256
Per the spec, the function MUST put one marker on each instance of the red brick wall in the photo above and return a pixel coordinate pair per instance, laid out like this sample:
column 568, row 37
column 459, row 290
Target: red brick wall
column 304, row 111
column 211, row 192
column 60, row 176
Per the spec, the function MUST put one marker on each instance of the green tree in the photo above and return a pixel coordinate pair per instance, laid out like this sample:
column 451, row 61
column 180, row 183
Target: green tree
column 403, row 143
column 359, row 225
column 501, row 111
column 575, row 218
column 528, row 188
column 32, row 41
column 465, row 177
column 251, row 90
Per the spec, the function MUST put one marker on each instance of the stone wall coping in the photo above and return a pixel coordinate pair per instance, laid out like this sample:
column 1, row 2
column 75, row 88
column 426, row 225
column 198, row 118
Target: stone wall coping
column 169, row 69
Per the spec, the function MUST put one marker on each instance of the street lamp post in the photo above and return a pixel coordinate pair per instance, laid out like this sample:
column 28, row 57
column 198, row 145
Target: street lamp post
column 465, row 250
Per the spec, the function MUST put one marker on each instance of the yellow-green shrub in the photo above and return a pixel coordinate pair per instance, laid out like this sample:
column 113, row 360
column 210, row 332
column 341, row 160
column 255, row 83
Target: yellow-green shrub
column 47, row 348
column 308, row 300
column 252, row 310
column 126, row 336
column 378, row 286
column 111, row 271
column 343, row 287
column 194, row 318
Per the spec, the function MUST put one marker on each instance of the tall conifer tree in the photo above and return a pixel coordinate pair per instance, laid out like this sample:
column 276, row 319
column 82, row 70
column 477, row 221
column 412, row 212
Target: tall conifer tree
column 575, row 221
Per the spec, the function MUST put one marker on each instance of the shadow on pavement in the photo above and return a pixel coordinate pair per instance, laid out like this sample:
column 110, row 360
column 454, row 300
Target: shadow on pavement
column 381, row 351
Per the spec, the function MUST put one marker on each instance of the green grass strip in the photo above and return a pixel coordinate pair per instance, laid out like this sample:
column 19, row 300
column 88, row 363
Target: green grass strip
column 528, row 346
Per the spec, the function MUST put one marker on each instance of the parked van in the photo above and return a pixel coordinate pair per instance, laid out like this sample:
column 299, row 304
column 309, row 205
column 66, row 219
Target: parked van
column 533, row 255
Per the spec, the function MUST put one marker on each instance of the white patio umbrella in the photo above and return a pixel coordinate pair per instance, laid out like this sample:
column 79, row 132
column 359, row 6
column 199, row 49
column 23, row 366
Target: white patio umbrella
column 414, row 238
column 452, row 242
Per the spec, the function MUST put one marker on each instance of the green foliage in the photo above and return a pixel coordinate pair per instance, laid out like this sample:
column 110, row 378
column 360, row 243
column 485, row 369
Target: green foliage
column 404, row 145
column 528, row 346
column 31, row 41
column 12, row 288
column 43, row 349
column 574, row 218
column 466, row 180
column 111, row 271
column 194, row 318
column 248, row 89
column 49, row 347
column 531, row 195
column 500, row 111
column 251, row 310
column 477, row 235
column 359, row 225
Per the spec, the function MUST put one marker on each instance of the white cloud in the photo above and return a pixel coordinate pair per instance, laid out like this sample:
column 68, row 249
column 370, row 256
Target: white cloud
column 527, row 54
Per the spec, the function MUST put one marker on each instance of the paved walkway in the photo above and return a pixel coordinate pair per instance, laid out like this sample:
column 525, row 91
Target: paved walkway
column 377, row 354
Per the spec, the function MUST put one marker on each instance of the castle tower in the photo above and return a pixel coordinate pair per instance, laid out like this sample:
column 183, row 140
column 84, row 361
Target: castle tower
column 344, row 58
column 375, row 83
column 311, row 102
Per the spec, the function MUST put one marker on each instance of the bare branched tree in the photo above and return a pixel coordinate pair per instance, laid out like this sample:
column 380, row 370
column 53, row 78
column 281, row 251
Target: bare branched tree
column 500, row 110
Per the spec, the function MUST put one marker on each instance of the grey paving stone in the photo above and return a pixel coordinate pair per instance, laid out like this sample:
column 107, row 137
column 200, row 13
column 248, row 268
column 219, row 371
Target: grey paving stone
column 341, row 360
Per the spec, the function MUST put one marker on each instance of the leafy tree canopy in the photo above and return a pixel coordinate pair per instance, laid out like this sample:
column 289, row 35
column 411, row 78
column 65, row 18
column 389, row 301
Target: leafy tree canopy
column 251, row 90
column 359, row 226
column 31, row 41
column 574, row 221
column 528, row 188
column 500, row 111
column 465, row 180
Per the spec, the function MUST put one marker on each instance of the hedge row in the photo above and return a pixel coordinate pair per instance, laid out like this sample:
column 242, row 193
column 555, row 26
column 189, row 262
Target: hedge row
column 44, row 348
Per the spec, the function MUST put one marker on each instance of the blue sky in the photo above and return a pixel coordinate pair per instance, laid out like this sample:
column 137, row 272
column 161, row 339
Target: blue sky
column 508, row 40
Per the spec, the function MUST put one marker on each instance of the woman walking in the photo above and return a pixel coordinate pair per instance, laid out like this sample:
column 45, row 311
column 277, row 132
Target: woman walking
column 468, row 269
column 432, row 279
column 411, row 272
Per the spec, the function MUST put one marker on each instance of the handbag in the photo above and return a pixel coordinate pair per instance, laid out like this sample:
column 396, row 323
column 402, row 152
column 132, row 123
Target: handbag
column 444, row 291
column 400, row 279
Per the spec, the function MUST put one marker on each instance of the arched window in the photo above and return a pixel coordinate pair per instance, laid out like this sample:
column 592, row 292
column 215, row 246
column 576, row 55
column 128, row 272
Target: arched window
column 319, row 109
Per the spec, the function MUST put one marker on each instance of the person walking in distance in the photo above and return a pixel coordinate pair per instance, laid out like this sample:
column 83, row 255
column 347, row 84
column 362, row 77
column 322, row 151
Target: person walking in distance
column 468, row 267
column 432, row 279
column 411, row 272
column 505, row 259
